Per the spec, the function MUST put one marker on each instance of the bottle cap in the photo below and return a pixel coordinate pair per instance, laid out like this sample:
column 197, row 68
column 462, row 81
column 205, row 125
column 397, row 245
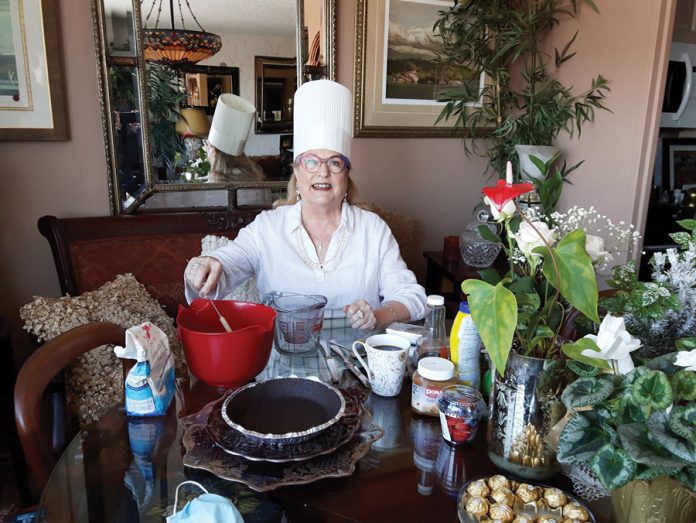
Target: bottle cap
column 436, row 369
column 464, row 307
column 435, row 300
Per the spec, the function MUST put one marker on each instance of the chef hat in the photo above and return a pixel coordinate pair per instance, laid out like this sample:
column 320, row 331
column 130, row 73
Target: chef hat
column 322, row 117
column 231, row 123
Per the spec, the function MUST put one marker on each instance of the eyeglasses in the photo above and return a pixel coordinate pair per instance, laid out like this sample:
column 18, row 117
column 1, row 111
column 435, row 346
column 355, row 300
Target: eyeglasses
column 312, row 163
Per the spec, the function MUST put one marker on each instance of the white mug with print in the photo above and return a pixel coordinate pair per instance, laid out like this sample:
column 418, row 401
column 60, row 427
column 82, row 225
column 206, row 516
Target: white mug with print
column 386, row 362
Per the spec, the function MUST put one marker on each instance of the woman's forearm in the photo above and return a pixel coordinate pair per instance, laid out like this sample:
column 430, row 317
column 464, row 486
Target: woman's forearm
column 390, row 312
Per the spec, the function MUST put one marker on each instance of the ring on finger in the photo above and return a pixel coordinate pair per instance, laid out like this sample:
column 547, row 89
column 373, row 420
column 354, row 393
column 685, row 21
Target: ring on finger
column 360, row 314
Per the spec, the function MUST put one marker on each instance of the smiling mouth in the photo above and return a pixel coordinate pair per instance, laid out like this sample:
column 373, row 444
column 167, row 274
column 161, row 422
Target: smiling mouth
column 322, row 186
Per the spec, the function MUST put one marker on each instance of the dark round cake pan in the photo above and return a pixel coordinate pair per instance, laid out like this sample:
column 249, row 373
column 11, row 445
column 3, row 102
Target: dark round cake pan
column 283, row 411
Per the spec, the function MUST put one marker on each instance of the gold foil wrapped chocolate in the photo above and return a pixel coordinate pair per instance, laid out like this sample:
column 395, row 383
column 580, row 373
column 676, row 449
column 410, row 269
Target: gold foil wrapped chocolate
column 478, row 488
column 570, row 520
column 555, row 497
column 503, row 495
column 477, row 506
column 527, row 493
column 497, row 482
column 501, row 512
column 547, row 519
column 523, row 519
column 575, row 510
column 529, row 449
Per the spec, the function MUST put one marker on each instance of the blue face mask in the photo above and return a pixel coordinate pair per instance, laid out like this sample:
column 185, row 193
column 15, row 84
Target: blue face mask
column 206, row 508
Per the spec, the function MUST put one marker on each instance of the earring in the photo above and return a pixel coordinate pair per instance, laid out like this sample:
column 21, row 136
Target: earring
column 297, row 192
column 345, row 197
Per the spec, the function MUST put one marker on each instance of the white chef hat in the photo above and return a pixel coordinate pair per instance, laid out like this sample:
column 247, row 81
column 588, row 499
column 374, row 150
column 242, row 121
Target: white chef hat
column 322, row 117
column 231, row 123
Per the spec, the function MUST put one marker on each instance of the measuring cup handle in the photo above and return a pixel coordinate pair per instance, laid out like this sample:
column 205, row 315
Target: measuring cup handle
column 370, row 374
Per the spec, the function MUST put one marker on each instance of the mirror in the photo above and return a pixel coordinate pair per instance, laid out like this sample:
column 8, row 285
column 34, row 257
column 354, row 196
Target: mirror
column 156, row 116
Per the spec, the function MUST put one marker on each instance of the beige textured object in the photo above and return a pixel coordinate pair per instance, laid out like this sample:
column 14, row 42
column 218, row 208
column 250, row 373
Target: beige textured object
column 94, row 383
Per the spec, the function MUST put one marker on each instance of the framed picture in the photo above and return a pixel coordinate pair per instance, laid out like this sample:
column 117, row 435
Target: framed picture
column 32, row 103
column 204, row 84
column 397, row 78
column 679, row 162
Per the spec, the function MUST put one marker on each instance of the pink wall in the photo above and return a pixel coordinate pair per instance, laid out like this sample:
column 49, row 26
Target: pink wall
column 431, row 179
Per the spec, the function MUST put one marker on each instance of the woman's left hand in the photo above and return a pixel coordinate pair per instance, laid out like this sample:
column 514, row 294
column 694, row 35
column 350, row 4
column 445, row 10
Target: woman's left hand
column 360, row 315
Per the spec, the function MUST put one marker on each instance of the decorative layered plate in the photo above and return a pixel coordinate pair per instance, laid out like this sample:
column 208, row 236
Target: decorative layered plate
column 201, row 452
column 237, row 444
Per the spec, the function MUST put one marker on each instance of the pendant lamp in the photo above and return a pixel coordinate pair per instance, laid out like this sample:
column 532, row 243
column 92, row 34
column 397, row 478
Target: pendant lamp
column 177, row 47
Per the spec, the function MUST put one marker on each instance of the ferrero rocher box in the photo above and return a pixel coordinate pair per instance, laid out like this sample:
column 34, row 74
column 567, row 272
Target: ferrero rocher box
column 498, row 498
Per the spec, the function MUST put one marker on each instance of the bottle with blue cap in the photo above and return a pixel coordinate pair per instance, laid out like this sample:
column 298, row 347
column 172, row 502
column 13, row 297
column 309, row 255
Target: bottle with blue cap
column 465, row 347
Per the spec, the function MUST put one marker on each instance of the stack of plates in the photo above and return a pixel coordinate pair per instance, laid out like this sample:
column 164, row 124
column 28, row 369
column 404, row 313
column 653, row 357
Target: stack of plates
column 288, row 431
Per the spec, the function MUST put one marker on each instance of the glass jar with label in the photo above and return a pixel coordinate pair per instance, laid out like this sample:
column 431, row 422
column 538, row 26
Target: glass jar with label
column 432, row 376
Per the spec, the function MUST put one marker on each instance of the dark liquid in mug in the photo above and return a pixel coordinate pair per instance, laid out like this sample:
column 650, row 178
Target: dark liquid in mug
column 388, row 347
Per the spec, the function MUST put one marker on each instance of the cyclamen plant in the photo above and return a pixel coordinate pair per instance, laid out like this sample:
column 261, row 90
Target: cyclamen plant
column 635, row 426
column 527, row 305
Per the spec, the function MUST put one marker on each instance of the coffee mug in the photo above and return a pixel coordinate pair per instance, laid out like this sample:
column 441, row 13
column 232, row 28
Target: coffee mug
column 386, row 362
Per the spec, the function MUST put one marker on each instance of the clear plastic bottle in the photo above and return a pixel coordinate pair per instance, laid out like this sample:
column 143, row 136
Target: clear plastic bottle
column 465, row 347
column 434, row 343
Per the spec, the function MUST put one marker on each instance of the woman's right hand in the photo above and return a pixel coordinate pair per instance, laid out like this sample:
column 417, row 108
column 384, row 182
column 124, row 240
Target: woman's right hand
column 203, row 273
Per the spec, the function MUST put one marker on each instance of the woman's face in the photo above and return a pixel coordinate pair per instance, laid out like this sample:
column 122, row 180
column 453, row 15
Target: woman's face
column 323, row 187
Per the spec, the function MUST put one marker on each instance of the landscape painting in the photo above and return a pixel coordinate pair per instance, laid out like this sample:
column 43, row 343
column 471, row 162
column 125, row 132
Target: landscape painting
column 9, row 82
column 413, row 66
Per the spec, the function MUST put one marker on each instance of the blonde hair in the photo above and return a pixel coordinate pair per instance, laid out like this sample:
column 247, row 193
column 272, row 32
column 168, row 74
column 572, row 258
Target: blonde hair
column 229, row 168
column 292, row 198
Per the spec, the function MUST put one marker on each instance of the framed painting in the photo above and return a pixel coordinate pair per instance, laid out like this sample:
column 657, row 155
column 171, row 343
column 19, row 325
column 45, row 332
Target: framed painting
column 398, row 78
column 204, row 84
column 679, row 162
column 32, row 102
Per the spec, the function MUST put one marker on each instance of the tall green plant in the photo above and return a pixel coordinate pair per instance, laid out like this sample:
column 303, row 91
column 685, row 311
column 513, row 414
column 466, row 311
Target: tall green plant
column 165, row 97
column 494, row 37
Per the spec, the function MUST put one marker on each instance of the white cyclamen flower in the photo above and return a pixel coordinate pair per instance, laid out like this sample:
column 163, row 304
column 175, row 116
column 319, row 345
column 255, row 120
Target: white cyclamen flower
column 614, row 342
column 529, row 239
column 594, row 245
column 507, row 211
column 686, row 359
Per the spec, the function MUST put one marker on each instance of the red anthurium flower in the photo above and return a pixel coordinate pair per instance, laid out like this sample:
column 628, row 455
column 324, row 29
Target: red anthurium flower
column 502, row 192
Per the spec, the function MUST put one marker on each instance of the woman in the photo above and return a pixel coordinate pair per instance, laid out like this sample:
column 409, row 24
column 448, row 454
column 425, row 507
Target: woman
column 315, row 241
column 228, row 135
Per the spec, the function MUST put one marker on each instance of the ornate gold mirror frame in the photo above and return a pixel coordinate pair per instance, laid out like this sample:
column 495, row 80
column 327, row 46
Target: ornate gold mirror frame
column 125, row 88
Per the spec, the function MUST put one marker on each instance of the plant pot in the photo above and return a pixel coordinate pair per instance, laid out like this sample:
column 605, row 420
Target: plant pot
column 524, row 406
column 544, row 152
column 661, row 500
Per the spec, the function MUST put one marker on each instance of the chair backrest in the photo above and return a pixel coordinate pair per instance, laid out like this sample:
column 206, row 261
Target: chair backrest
column 91, row 251
column 35, row 375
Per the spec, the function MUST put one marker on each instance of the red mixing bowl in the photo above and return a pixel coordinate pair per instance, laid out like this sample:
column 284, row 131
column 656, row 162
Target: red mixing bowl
column 226, row 359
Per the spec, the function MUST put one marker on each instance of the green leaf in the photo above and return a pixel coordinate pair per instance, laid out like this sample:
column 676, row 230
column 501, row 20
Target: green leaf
column 577, row 277
column 580, row 439
column 683, row 385
column 689, row 225
column 652, row 390
column 574, row 351
column 657, row 433
column 682, row 421
column 634, row 438
column 587, row 391
column 647, row 473
column 686, row 344
column 490, row 276
column 687, row 477
column 613, row 467
column 681, row 238
column 582, row 370
column 494, row 311
column 485, row 233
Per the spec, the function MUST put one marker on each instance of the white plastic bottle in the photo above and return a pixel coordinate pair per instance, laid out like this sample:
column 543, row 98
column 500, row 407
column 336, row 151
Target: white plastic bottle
column 434, row 343
column 468, row 349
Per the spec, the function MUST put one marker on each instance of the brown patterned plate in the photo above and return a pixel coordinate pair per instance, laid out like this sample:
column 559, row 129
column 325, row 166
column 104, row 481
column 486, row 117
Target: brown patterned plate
column 237, row 444
column 201, row 452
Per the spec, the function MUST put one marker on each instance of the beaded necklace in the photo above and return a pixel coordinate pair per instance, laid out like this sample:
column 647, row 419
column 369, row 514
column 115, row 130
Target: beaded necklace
column 328, row 265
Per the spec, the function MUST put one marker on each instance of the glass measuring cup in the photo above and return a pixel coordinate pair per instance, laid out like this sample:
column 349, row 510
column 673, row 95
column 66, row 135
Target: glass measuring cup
column 299, row 320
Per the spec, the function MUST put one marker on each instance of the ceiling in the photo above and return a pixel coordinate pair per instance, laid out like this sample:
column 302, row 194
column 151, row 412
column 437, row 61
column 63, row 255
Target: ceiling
column 269, row 17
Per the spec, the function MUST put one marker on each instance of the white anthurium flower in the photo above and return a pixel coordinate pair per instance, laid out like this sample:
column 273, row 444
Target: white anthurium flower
column 594, row 245
column 528, row 238
column 614, row 342
column 686, row 359
column 507, row 211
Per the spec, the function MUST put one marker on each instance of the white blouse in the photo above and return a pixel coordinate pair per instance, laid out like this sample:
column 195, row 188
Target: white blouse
column 363, row 261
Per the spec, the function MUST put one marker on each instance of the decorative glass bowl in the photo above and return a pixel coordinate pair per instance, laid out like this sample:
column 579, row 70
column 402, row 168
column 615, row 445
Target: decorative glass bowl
column 476, row 251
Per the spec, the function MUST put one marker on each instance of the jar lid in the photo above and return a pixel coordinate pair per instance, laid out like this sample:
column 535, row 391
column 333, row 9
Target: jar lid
column 437, row 369
column 464, row 307
column 435, row 300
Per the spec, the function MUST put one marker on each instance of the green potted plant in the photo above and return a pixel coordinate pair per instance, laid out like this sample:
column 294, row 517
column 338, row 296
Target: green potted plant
column 522, row 101
column 636, row 432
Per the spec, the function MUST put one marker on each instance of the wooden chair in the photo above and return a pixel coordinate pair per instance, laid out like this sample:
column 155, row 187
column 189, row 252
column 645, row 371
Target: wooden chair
column 35, row 375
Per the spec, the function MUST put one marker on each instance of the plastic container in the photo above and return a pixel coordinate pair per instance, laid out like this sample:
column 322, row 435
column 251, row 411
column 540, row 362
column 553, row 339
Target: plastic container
column 432, row 376
column 465, row 347
column 461, row 409
column 434, row 343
